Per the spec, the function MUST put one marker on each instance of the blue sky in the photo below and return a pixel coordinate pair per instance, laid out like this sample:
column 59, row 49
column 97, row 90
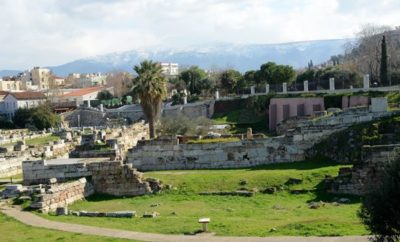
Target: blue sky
column 52, row 32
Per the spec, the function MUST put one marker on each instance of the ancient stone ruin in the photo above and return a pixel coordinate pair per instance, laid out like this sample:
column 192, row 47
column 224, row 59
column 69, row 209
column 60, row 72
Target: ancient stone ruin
column 67, row 180
column 365, row 176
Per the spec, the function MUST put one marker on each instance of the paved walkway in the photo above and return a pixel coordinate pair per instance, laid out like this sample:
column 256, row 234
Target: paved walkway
column 36, row 221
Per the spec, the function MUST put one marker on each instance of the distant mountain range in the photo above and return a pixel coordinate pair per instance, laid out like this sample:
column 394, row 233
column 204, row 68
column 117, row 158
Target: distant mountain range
column 242, row 57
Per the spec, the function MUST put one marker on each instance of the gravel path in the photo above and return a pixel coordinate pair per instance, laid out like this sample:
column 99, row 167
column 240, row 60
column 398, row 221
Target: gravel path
column 36, row 221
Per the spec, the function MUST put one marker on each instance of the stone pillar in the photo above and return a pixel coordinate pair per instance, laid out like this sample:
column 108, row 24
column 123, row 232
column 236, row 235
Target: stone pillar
column 305, row 84
column 216, row 95
column 79, row 120
column 88, row 103
column 249, row 133
column 252, row 90
column 266, row 88
column 284, row 87
column 184, row 97
column 366, row 81
column 331, row 84
column 101, row 107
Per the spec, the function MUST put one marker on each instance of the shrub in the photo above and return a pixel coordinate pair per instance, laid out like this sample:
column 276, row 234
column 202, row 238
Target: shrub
column 380, row 210
column 5, row 124
column 41, row 117
column 183, row 125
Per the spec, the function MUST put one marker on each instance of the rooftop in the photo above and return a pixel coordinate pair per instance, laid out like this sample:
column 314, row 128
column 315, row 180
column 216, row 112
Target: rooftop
column 83, row 91
column 27, row 95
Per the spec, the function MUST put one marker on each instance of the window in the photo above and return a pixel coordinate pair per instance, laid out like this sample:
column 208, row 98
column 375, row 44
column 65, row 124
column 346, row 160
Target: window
column 286, row 112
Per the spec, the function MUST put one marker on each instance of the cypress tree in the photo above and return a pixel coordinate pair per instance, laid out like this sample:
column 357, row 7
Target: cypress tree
column 384, row 64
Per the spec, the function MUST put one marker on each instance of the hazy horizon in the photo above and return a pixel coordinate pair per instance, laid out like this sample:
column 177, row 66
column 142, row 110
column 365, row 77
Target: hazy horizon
column 50, row 32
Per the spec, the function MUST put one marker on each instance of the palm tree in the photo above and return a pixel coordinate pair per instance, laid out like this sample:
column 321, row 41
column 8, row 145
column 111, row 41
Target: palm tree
column 150, row 85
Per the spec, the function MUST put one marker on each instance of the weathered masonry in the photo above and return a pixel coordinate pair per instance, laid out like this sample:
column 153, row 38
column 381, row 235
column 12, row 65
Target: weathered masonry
column 367, row 175
column 295, row 145
column 170, row 155
column 106, row 177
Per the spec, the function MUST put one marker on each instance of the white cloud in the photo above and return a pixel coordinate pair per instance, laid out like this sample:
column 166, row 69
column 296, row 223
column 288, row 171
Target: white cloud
column 50, row 32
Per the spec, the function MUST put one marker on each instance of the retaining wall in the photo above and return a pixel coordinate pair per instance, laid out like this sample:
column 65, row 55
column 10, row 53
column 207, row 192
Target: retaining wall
column 366, row 176
column 169, row 155
column 62, row 194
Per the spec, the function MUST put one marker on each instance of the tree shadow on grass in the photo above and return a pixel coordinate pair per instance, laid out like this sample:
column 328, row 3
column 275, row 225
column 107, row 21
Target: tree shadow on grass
column 300, row 165
column 98, row 197
column 321, row 194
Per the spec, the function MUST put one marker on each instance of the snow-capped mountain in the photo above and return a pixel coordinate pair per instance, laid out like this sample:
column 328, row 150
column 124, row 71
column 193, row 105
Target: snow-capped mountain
column 242, row 57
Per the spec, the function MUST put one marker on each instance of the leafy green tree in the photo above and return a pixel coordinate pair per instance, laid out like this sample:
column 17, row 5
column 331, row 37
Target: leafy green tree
column 384, row 63
column 283, row 74
column 308, row 75
column 193, row 79
column 380, row 210
column 22, row 117
column 229, row 80
column 250, row 77
column 272, row 73
column 104, row 95
column 43, row 117
column 6, row 124
column 150, row 85
column 343, row 78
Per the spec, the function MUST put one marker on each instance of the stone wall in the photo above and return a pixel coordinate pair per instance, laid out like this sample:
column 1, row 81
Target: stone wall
column 10, row 166
column 108, row 177
column 367, row 175
column 170, row 155
column 345, row 145
column 85, row 117
column 41, row 171
column 112, row 154
column 191, row 110
column 117, row 179
column 62, row 194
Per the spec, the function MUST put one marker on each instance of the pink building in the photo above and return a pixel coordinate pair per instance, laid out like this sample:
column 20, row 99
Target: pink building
column 354, row 101
column 281, row 109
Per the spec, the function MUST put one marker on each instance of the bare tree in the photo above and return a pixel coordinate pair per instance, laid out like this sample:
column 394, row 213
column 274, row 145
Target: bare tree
column 121, row 81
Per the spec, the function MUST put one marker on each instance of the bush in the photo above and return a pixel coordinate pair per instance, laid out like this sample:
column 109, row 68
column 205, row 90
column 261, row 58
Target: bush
column 104, row 95
column 5, row 124
column 380, row 210
column 183, row 125
column 41, row 117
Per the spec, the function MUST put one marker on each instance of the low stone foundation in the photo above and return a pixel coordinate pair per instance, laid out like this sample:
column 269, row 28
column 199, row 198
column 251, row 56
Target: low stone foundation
column 62, row 194
column 116, row 179
column 365, row 176
column 107, row 177
column 10, row 167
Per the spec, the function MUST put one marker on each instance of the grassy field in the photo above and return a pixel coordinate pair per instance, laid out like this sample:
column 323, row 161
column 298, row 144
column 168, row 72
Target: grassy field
column 42, row 140
column 12, row 230
column 181, row 207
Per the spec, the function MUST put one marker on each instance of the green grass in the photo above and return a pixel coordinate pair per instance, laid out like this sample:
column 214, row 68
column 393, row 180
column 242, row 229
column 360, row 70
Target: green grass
column 17, row 176
column 233, row 215
column 216, row 140
column 12, row 230
column 42, row 140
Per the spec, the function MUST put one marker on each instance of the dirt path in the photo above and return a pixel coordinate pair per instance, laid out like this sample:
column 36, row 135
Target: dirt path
column 36, row 221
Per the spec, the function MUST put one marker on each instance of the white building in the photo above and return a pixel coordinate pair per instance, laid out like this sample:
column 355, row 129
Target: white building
column 79, row 96
column 13, row 101
column 10, row 85
column 170, row 69
column 36, row 79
